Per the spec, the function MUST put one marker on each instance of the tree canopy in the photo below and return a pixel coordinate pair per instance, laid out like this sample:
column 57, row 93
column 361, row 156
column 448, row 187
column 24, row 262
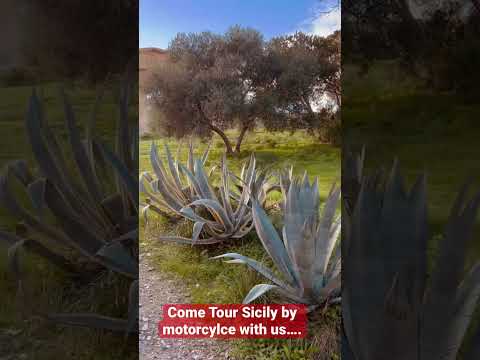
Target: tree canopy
column 435, row 40
column 214, row 82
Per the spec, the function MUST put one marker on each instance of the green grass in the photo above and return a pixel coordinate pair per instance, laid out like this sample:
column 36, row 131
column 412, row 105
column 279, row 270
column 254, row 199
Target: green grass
column 274, row 150
column 435, row 133
column 212, row 281
column 321, row 344
column 13, row 109
column 46, row 289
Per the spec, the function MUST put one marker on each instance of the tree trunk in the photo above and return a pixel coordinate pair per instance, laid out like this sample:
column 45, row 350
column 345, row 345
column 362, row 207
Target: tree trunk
column 243, row 132
column 207, row 122
column 228, row 144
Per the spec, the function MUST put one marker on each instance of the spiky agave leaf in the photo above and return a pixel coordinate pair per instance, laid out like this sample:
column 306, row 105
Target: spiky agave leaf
column 352, row 175
column 452, row 296
column 404, row 315
column 222, row 213
column 303, row 256
column 384, row 247
column 172, row 187
column 99, row 224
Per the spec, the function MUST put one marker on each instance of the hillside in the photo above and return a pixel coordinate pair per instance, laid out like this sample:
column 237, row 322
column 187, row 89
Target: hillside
column 148, row 60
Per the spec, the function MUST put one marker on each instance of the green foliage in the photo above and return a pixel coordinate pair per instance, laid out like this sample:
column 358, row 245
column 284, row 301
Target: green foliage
column 306, row 69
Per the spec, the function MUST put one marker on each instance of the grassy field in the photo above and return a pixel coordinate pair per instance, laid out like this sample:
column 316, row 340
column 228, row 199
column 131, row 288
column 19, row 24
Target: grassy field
column 215, row 282
column 46, row 290
column 435, row 133
column 14, row 107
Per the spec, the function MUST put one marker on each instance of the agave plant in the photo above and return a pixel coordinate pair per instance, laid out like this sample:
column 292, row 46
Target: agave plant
column 352, row 175
column 170, row 191
column 80, row 215
column 393, row 306
column 223, row 212
column 308, row 257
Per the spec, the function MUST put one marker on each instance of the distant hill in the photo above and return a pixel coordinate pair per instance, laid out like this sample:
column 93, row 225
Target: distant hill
column 148, row 60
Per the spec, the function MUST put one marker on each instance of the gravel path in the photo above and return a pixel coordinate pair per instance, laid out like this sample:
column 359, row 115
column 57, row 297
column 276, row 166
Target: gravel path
column 157, row 289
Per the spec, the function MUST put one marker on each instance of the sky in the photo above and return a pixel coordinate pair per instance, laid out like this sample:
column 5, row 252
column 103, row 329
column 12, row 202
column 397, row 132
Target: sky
column 161, row 20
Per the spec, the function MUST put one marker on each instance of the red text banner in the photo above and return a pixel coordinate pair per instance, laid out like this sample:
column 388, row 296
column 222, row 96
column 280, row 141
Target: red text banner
column 233, row 321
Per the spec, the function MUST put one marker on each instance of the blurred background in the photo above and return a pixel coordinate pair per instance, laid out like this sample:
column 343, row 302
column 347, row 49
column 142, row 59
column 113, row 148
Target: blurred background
column 69, row 54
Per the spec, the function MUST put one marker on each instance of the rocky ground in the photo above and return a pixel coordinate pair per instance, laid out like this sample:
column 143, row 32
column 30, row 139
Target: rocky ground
column 157, row 289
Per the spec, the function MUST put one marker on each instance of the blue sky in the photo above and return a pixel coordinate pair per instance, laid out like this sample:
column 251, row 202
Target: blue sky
column 160, row 20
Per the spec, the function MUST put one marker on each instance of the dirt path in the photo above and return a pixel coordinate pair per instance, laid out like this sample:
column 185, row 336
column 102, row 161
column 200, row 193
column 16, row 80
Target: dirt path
column 157, row 289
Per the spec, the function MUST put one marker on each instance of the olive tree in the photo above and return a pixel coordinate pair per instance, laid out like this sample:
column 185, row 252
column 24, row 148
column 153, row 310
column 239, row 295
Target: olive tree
column 213, row 83
column 307, row 80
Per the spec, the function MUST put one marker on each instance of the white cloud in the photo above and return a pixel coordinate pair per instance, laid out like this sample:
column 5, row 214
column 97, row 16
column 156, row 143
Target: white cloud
column 325, row 23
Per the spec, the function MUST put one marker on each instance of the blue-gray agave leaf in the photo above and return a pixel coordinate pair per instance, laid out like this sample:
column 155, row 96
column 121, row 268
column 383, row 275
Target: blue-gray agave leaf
column 308, row 273
column 406, row 313
column 84, row 213
column 219, row 213
column 170, row 190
